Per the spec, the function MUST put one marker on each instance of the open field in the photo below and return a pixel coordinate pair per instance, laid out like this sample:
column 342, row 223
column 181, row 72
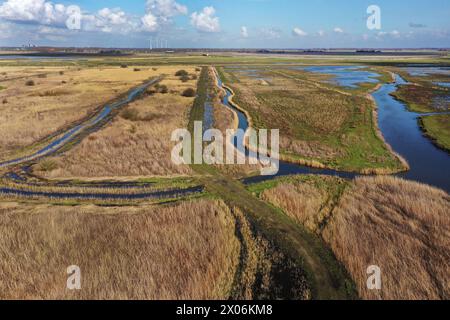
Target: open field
column 400, row 226
column 227, row 58
column 319, row 125
column 298, row 237
column 138, row 141
column 37, row 106
column 122, row 252
column 438, row 128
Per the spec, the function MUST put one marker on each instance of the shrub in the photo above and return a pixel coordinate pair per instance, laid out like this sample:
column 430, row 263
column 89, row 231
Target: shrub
column 163, row 89
column 185, row 78
column 198, row 69
column 133, row 129
column 181, row 73
column 194, row 77
column 30, row 83
column 5, row 101
column 123, row 66
column 48, row 165
column 136, row 69
column 61, row 73
column 130, row 114
column 189, row 92
column 155, row 69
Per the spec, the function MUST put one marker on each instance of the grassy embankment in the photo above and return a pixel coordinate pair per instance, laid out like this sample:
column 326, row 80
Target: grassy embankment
column 424, row 96
column 320, row 125
column 437, row 128
column 397, row 225
column 303, row 251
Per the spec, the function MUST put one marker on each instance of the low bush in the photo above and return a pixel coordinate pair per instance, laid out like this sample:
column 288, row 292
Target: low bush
column 185, row 78
column 163, row 89
column 48, row 165
column 30, row 83
column 130, row 114
column 181, row 73
column 189, row 92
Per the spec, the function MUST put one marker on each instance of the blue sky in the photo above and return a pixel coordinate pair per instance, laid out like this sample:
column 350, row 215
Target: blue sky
column 227, row 23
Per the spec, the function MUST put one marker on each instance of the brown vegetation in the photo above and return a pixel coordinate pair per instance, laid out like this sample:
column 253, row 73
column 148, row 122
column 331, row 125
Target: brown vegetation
column 123, row 253
column 138, row 143
column 398, row 225
column 55, row 102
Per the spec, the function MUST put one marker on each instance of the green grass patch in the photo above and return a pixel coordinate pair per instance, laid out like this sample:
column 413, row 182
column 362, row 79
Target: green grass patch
column 437, row 128
column 324, row 118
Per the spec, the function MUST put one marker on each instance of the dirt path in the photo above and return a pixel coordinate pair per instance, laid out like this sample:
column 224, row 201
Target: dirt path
column 326, row 276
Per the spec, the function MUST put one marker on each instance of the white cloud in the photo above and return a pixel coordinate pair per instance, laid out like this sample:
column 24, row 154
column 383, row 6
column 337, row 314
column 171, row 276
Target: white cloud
column 34, row 11
column 299, row 32
column 338, row 30
column 160, row 13
column 46, row 13
column 113, row 16
column 244, row 32
column 165, row 9
column 150, row 22
column 206, row 21
column 271, row 33
column 393, row 34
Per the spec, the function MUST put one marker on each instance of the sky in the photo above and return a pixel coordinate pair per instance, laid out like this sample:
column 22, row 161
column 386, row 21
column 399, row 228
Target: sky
column 226, row 23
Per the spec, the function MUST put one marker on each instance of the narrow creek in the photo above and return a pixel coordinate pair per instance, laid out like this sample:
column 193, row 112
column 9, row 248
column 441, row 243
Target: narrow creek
column 72, row 133
column 69, row 136
column 401, row 130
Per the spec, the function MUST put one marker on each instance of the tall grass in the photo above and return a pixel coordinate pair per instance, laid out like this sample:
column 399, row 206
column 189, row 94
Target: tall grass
column 400, row 226
column 183, row 251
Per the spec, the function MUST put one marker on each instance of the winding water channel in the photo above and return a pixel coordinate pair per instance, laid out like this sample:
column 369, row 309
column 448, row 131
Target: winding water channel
column 71, row 135
column 400, row 128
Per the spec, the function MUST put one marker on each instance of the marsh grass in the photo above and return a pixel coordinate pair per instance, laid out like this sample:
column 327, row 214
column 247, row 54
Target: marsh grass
column 319, row 126
column 437, row 128
column 398, row 225
column 123, row 252
column 138, row 143
column 50, row 106
column 401, row 227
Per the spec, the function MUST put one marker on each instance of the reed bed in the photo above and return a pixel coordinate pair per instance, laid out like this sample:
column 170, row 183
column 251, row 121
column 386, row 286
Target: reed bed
column 123, row 252
column 136, row 143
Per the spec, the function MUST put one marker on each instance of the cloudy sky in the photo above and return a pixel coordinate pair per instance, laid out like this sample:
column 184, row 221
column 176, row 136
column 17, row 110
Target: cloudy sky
column 225, row 23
